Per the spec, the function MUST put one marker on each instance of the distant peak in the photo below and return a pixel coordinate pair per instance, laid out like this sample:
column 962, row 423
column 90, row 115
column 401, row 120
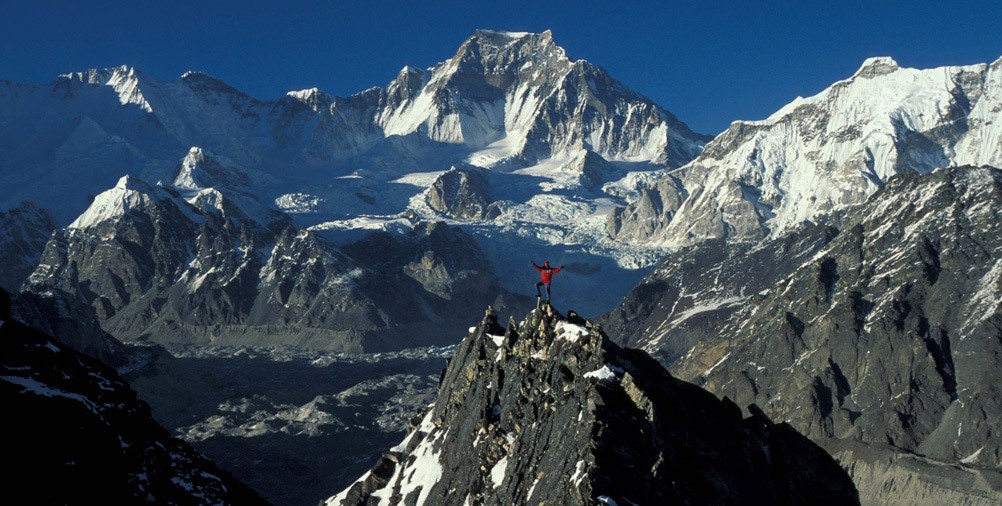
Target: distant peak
column 198, row 75
column 410, row 71
column 128, row 182
column 308, row 94
column 195, row 153
column 102, row 76
column 499, row 33
column 877, row 66
column 503, row 39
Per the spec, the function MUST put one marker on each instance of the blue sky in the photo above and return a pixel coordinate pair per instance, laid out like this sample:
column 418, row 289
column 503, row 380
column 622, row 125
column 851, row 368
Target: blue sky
column 709, row 62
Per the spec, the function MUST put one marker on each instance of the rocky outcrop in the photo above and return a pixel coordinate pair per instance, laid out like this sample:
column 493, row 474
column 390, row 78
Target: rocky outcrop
column 885, row 334
column 24, row 230
column 71, row 322
column 461, row 192
column 80, row 434
column 551, row 411
column 886, row 476
column 646, row 218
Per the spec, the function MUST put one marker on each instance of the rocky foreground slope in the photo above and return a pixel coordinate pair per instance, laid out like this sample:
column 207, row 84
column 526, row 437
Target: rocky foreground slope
column 552, row 412
column 75, row 433
column 880, row 341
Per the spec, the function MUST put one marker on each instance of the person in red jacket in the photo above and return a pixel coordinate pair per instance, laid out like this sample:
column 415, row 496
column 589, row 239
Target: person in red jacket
column 545, row 272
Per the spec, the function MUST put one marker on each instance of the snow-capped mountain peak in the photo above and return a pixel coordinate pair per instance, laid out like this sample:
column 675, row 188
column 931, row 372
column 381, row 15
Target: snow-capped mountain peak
column 127, row 194
column 202, row 82
column 312, row 97
column 876, row 66
column 818, row 156
column 127, row 82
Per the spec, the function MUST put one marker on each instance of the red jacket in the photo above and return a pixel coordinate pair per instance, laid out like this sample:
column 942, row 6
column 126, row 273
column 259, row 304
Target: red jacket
column 546, row 272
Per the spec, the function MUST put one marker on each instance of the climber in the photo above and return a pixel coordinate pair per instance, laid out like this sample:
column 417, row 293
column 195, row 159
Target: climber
column 545, row 273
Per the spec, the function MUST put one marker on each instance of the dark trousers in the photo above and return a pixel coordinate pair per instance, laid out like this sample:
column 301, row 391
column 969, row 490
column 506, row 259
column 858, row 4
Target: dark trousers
column 547, row 285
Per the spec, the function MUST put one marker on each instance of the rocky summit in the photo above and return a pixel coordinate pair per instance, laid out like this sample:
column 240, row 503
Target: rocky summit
column 81, row 436
column 550, row 411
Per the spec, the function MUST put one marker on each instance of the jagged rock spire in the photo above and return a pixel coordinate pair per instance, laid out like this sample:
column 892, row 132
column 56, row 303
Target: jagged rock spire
column 552, row 412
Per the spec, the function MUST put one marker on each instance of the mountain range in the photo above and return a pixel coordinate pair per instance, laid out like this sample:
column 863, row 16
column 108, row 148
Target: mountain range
column 831, row 267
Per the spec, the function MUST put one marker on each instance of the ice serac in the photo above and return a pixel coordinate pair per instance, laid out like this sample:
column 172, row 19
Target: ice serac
column 817, row 157
column 880, row 341
column 81, row 435
column 551, row 411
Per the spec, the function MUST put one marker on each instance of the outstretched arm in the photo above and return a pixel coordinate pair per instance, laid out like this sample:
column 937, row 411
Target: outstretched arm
column 558, row 269
column 538, row 268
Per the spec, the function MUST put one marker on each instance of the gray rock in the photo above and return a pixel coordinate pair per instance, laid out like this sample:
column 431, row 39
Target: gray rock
column 552, row 412
column 461, row 192
column 80, row 434
column 885, row 334
column 24, row 230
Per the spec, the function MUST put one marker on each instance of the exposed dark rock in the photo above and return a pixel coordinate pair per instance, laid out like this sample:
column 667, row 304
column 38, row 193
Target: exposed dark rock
column 887, row 334
column 646, row 218
column 81, row 436
column 552, row 412
column 76, row 324
column 24, row 230
column 461, row 192
column 165, row 270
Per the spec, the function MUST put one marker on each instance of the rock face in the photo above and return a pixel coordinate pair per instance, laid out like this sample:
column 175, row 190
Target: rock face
column 188, row 263
column 552, row 412
column 462, row 193
column 648, row 215
column 80, row 434
column 817, row 157
column 24, row 230
column 57, row 313
column 885, row 334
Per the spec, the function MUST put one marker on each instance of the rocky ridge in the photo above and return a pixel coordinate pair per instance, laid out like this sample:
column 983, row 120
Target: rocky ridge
column 81, row 434
column 551, row 411
column 24, row 230
column 884, row 333
column 164, row 263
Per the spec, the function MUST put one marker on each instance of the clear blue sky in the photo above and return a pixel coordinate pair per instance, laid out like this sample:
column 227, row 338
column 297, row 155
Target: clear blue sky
column 708, row 62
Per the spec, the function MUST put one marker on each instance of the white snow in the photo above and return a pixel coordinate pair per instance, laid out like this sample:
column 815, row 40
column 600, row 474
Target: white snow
column 605, row 373
column 128, row 193
column 570, row 331
column 532, row 489
column 498, row 471
column 35, row 387
column 579, row 473
column 721, row 361
column 498, row 340
column 831, row 151
column 972, row 458
column 423, row 471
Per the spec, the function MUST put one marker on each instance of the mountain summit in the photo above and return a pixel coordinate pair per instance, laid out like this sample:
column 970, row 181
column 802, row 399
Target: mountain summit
column 552, row 412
